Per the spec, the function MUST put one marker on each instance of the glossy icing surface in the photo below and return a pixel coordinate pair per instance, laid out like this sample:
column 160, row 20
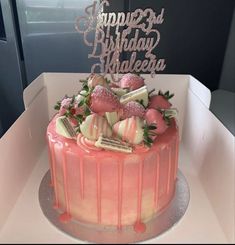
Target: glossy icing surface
column 110, row 188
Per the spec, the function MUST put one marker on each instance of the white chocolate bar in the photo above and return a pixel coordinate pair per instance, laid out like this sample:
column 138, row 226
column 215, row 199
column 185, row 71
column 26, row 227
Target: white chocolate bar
column 113, row 145
column 119, row 91
column 137, row 95
column 64, row 128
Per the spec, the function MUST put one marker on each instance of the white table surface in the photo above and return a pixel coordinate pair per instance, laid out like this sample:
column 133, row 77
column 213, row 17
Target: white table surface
column 27, row 224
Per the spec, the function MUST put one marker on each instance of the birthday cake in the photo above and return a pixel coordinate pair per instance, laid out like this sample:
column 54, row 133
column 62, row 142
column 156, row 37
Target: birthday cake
column 113, row 150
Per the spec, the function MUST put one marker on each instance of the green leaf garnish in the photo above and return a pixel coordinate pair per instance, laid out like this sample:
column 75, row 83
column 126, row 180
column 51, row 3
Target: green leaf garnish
column 141, row 102
column 81, row 103
column 87, row 112
column 107, row 81
column 148, row 132
column 168, row 114
column 151, row 91
column 152, row 127
column 166, row 95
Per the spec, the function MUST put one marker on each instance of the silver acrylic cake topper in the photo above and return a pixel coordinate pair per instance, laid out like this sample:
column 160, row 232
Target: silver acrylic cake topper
column 114, row 35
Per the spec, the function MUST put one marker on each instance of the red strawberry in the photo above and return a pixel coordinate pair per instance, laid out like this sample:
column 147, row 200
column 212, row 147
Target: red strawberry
column 131, row 81
column 153, row 116
column 132, row 108
column 103, row 100
column 160, row 101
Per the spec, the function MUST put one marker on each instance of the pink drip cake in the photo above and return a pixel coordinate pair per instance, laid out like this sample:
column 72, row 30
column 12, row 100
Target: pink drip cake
column 113, row 152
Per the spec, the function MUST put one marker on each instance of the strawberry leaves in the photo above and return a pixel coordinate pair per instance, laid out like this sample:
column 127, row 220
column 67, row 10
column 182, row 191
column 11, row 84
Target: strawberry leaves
column 149, row 134
column 166, row 95
column 57, row 105
column 168, row 114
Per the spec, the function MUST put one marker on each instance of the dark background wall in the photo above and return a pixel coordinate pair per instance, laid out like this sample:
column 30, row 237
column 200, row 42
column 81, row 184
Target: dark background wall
column 193, row 36
column 40, row 37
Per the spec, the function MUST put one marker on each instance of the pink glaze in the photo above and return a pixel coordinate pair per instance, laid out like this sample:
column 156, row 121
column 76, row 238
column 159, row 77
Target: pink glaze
column 139, row 227
column 120, row 187
column 156, row 182
column 81, row 178
column 112, row 188
column 65, row 181
column 65, row 218
column 133, row 130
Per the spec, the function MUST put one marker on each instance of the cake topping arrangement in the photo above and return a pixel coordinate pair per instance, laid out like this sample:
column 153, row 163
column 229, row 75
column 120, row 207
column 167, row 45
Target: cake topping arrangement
column 117, row 116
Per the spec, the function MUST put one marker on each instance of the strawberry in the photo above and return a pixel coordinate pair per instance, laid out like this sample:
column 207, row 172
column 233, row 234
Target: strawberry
column 130, row 130
column 65, row 105
column 153, row 116
column 114, row 85
column 97, row 79
column 94, row 126
column 131, row 81
column 103, row 100
column 160, row 100
column 132, row 108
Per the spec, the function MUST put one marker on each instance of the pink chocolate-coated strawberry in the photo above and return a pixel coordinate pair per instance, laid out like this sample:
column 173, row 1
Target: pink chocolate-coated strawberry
column 131, row 81
column 114, row 85
column 160, row 100
column 130, row 130
column 103, row 100
column 153, row 116
column 132, row 108
column 97, row 79
column 65, row 103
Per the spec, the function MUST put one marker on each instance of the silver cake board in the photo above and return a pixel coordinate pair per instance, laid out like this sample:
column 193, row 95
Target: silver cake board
column 155, row 227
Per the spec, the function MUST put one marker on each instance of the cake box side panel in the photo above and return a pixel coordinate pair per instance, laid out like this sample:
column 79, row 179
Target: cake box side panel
column 200, row 90
column 211, row 147
column 19, row 149
column 33, row 89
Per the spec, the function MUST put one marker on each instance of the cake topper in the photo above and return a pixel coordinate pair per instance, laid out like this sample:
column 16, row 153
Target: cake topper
column 113, row 34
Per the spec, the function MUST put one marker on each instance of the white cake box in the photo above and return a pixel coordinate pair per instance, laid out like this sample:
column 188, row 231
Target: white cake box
column 206, row 160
